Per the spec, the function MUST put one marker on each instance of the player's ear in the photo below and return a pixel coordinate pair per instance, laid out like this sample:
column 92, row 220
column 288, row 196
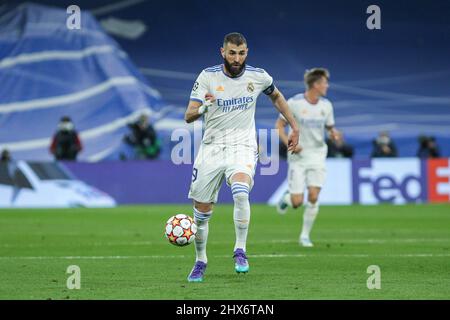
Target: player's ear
column 222, row 52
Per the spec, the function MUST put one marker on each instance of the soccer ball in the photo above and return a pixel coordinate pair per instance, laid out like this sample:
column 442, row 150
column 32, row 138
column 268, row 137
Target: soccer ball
column 180, row 230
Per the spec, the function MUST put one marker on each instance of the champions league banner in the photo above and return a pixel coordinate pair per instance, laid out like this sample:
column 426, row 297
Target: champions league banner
column 105, row 184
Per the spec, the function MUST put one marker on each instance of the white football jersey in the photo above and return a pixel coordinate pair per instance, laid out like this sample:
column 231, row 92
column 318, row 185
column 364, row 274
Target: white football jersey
column 231, row 118
column 311, row 120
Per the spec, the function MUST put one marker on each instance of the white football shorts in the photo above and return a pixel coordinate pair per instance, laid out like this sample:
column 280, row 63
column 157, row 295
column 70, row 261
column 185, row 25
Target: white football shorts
column 301, row 176
column 216, row 162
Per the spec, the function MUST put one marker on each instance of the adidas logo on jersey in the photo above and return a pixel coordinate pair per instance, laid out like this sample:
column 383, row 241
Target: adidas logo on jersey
column 220, row 88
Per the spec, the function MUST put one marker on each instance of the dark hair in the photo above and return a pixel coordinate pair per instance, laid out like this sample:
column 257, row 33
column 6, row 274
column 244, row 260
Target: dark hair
column 65, row 119
column 315, row 74
column 234, row 38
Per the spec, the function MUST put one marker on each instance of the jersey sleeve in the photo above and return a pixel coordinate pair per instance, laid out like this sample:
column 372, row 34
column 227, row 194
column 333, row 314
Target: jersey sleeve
column 330, row 117
column 268, row 86
column 200, row 88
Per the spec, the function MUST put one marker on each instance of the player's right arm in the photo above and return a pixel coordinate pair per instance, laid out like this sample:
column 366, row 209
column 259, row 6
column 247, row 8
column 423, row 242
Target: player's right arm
column 192, row 112
column 280, row 126
column 199, row 100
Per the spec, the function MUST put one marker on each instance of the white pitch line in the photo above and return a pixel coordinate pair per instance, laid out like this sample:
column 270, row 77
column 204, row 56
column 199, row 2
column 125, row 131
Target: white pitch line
column 299, row 255
column 148, row 243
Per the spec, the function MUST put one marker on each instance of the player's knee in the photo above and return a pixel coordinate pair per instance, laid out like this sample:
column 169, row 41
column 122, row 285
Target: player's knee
column 296, row 205
column 203, row 207
column 296, row 202
column 312, row 198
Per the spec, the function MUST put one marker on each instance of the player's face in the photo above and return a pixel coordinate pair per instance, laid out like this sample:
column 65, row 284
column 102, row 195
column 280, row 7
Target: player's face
column 322, row 86
column 234, row 57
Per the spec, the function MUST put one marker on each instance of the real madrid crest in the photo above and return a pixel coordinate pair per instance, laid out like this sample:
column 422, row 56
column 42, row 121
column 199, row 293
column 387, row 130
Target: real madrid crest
column 250, row 87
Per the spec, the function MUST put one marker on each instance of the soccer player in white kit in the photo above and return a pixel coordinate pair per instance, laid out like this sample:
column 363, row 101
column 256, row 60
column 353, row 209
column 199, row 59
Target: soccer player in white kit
column 313, row 114
column 226, row 96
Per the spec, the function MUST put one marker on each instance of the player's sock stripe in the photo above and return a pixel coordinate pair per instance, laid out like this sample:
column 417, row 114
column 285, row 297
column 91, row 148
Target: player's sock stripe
column 239, row 189
column 242, row 191
column 202, row 216
column 239, row 184
column 243, row 185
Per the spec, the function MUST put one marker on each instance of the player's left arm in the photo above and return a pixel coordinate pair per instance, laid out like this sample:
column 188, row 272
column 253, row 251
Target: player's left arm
column 330, row 126
column 281, row 104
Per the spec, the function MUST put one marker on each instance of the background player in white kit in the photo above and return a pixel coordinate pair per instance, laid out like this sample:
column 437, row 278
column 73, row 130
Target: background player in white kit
column 313, row 114
column 226, row 95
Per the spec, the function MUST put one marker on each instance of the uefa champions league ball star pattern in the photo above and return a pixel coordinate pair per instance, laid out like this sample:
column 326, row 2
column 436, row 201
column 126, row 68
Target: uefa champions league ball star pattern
column 180, row 230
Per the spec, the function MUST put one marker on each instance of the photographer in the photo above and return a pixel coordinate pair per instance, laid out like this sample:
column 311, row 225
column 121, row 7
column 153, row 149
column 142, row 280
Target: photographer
column 428, row 148
column 143, row 138
column 384, row 147
column 338, row 148
column 65, row 144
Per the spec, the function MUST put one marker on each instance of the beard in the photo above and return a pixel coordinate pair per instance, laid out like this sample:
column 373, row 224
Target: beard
column 233, row 68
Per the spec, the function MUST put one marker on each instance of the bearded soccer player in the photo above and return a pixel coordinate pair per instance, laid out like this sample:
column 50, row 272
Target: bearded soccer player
column 225, row 95
column 313, row 113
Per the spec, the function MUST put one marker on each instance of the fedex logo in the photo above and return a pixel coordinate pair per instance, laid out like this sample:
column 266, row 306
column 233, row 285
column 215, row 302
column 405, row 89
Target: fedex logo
column 438, row 171
column 400, row 180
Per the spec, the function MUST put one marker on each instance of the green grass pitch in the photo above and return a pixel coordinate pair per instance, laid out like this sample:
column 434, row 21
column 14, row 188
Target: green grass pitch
column 122, row 254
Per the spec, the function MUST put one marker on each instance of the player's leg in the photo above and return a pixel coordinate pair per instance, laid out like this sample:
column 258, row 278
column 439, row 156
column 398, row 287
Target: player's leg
column 293, row 200
column 240, row 188
column 202, row 214
column 240, row 170
column 315, row 180
column 296, row 185
column 207, row 178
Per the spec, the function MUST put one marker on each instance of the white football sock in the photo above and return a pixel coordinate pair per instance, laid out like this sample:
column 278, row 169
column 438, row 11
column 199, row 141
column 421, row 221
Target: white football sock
column 241, row 213
column 309, row 215
column 287, row 199
column 201, row 237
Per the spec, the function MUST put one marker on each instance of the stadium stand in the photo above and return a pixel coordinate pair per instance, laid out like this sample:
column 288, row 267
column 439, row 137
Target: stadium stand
column 394, row 79
column 48, row 71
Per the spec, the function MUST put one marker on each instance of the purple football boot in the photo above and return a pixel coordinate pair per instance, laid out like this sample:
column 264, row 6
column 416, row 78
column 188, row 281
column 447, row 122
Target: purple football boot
column 197, row 272
column 240, row 261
